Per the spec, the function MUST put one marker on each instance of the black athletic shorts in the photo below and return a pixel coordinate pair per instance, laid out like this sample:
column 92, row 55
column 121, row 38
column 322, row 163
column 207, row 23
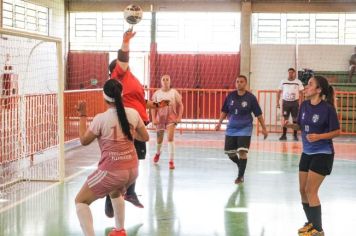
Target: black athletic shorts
column 290, row 108
column 237, row 143
column 320, row 163
column 140, row 149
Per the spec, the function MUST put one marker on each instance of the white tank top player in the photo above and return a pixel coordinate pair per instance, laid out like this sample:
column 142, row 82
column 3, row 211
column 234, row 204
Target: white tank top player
column 167, row 117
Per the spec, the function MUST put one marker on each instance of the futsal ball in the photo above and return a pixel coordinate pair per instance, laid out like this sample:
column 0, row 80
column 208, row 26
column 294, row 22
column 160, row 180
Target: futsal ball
column 133, row 14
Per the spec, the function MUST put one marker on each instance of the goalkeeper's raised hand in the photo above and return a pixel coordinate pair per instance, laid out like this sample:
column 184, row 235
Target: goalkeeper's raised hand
column 128, row 35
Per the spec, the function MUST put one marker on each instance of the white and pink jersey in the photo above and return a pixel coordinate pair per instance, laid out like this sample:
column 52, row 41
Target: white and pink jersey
column 169, row 114
column 117, row 152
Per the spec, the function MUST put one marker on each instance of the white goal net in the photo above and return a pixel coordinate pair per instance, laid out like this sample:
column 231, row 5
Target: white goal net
column 31, row 109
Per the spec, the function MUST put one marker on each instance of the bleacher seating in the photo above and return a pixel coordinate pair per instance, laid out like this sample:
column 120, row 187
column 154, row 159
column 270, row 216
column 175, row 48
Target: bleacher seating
column 346, row 106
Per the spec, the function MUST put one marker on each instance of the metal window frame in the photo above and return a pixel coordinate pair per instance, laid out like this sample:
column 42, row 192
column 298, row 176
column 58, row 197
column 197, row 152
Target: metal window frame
column 27, row 6
column 318, row 34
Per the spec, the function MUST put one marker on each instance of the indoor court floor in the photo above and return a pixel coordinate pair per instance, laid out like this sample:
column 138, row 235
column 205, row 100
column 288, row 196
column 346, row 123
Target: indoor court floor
column 198, row 198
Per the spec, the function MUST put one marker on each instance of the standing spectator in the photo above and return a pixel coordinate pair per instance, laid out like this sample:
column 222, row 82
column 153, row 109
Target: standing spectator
column 352, row 67
column 291, row 90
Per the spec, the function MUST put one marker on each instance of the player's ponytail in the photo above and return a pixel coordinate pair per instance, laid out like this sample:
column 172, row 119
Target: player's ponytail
column 327, row 91
column 112, row 94
column 330, row 97
column 112, row 67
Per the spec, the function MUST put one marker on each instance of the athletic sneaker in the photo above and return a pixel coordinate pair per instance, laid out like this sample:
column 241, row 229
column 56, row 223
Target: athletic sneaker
column 134, row 200
column 109, row 211
column 313, row 232
column 171, row 165
column 116, row 232
column 283, row 137
column 156, row 158
column 307, row 226
column 239, row 180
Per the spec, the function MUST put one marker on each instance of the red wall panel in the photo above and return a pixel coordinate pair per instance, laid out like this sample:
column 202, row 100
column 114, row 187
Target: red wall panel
column 83, row 67
column 214, row 71
column 203, row 71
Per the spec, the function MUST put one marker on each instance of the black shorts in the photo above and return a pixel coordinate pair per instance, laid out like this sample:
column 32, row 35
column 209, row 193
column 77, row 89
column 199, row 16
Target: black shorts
column 290, row 108
column 140, row 149
column 319, row 163
column 237, row 143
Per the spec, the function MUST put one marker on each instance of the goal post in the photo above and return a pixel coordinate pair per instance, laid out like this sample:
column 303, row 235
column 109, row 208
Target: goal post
column 31, row 108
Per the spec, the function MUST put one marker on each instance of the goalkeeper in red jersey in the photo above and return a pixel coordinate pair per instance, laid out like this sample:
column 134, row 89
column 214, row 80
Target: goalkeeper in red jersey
column 133, row 96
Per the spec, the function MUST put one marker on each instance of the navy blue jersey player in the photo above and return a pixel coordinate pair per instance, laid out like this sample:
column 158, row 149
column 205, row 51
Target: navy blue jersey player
column 238, row 108
column 317, row 119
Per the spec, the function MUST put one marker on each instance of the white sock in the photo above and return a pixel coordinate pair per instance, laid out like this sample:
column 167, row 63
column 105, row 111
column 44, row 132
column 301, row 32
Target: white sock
column 85, row 218
column 171, row 151
column 118, row 205
column 159, row 147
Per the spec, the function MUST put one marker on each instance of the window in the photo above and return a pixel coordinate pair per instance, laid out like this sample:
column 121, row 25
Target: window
column 198, row 32
column 269, row 28
column 103, row 31
column 289, row 28
column 85, row 26
column 327, row 28
column 25, row 16
column 350, row 28
column 297, row 28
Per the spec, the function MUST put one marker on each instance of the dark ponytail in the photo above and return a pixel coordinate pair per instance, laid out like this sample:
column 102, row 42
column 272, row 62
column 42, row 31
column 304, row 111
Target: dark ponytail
column 112, row 67
column 326, row 89
column 113, row 89
column 330, row 97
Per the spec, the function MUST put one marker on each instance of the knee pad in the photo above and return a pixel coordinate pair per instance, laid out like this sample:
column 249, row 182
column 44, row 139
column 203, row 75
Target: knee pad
column 233, row 157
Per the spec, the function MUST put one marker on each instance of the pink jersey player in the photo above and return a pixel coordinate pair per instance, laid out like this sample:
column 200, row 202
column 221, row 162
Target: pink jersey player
column 166, row 118
column 115, row 130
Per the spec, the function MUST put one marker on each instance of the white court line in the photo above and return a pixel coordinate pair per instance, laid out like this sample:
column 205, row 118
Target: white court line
column 43, row 190
column 237, row 209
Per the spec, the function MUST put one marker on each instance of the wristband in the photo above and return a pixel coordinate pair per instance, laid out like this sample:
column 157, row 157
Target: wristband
column 123, row 56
